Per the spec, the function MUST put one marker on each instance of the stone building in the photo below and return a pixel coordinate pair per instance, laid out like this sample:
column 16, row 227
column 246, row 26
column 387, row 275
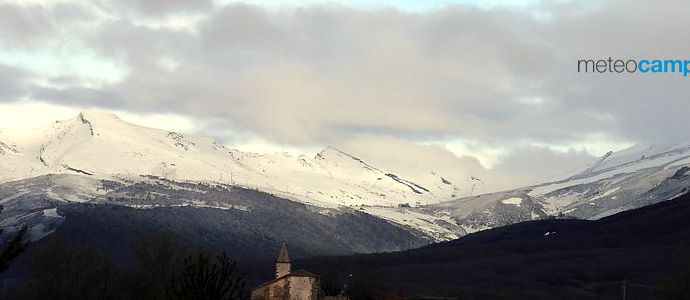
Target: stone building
column 288, row 285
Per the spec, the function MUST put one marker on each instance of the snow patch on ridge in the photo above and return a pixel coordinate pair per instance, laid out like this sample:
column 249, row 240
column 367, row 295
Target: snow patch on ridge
column 513, row 201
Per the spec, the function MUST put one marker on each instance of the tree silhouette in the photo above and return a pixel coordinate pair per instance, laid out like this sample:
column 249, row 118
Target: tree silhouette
column 160, row 258
column 203, row 280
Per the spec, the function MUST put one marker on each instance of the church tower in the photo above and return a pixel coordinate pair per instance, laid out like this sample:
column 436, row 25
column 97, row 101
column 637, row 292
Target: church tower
column 283, row 262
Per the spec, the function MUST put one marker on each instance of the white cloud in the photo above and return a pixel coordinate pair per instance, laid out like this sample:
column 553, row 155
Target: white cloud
column 65, row 61
column 22, row 116
column 165, row 121
column 29, row 115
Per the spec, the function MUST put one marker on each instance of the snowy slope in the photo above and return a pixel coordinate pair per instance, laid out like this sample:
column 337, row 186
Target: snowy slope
column 100, row 145
column 619, row 181
column 625, row 162
column 237, row 218
column 631, row 178
column 638, row 157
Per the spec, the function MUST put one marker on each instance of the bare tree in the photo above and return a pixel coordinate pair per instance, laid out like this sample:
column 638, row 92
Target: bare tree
column 202, row 279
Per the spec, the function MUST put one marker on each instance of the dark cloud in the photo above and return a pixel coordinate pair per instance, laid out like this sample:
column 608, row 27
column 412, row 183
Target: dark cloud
column 539, row 164
column 12, row 83
column 79, row 96
column 155, row 8
column 24, row 26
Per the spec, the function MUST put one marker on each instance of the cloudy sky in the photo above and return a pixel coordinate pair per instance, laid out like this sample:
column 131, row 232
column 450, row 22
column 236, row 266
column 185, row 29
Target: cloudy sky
column 475, row 87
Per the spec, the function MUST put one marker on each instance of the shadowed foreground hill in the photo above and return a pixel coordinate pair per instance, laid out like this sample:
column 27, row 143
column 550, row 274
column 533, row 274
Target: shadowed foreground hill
column 247, row 223
column 247, row 235
column 547, row 259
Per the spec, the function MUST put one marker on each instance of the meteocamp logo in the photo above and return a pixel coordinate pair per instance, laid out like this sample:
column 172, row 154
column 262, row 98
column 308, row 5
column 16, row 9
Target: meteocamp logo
column 645, row 66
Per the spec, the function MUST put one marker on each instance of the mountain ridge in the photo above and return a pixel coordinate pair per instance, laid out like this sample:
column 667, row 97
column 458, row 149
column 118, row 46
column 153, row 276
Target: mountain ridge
column 76, row 146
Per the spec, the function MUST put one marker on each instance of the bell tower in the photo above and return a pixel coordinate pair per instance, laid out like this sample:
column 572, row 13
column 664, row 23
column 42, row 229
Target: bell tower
column 283, row 262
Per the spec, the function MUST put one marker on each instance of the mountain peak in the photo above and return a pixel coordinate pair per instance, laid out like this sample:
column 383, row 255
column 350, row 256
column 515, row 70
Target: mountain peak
column 330, row 150
column 332, row 153
column 98, row 120
column 97, row 115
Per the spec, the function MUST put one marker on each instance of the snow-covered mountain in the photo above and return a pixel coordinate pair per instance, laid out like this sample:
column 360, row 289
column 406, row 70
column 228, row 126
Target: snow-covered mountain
column 618, row 181
column 101, row 145
column 95, row 152
column 627, row 179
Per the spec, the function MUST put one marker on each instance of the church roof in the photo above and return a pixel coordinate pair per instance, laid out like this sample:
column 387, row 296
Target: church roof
column 283, row 256
column 300, row 273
